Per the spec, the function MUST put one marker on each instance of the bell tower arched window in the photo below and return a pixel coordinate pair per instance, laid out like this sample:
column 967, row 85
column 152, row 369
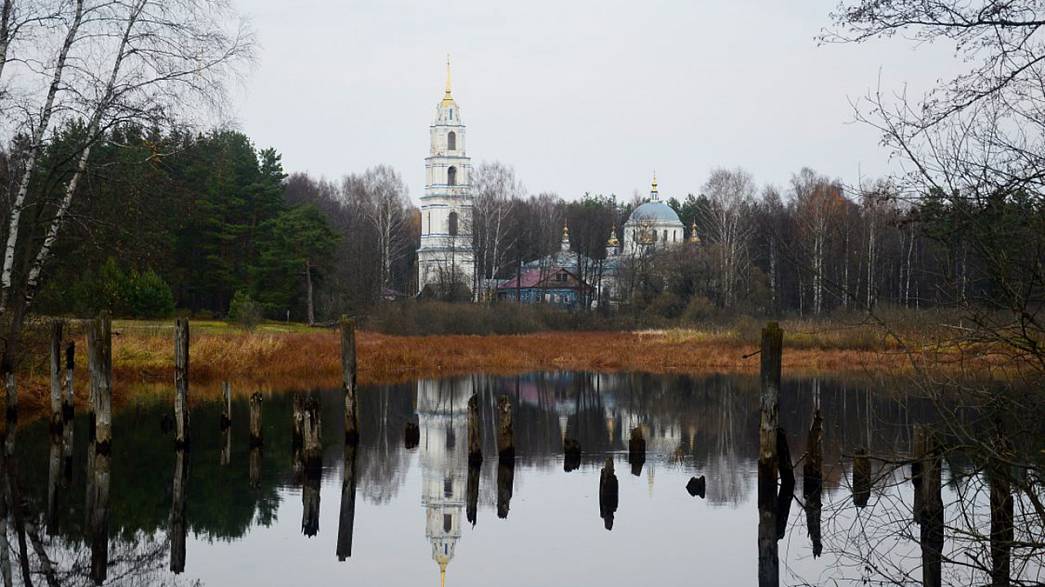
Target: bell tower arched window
column 451, row 176
column 451, row 141
column 453, row 222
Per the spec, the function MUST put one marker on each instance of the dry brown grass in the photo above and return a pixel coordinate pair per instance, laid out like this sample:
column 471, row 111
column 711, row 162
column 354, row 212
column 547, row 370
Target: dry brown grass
column 143, row 357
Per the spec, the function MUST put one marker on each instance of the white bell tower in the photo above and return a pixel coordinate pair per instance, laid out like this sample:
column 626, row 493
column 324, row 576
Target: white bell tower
column 445, row 256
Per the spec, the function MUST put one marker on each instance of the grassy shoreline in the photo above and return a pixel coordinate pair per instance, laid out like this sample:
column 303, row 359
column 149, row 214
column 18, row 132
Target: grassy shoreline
column 289, row 356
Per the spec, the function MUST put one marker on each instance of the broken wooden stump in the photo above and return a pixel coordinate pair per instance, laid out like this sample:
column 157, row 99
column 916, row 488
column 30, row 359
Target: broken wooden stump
column 475, row 439
column 226, row 405
column 99, row 358
column 256, row 437
column 348, row 371
column 608, row 493
column 312, row 441
column 505, row 437
column 768, row 459
column 181, row 382
column 57, row 416
column 696, row 487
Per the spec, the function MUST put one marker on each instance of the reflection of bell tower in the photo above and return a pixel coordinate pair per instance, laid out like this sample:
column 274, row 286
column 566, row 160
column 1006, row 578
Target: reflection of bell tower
column 442, row 417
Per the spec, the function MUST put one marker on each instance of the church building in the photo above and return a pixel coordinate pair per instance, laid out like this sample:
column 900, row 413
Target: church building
column 652, row 226
column 445, row 259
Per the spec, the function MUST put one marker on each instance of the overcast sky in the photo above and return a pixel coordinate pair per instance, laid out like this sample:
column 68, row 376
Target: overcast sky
column 578, row 96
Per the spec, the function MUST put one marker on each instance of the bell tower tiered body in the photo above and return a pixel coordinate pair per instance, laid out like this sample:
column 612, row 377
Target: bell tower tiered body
column 445, row 256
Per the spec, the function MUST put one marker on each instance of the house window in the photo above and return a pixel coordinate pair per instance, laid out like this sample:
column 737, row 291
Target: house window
column 448, row 524
column 451, row 141
column 451, row 111
column 451, row 176
column 448, row 488
column 453, row 222
column 560, row 276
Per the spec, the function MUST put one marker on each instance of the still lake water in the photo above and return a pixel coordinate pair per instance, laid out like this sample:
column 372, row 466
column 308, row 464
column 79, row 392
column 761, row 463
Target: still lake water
column 252, row 517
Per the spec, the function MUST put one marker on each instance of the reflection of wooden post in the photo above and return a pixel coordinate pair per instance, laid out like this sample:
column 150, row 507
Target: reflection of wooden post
column 226, row 448
column 181, row 382
column 411, row 435
column 54, row 483
column 254, row 466
column 861, row 478
column 1002, row 534
column 256, row 438
column 608, row 493
column 347, row 518
column 178, row 527
column 310, row 504
column 70, row 363
column 99, row 358
column 226, row 405
column 348, row 370
column 571, row 450
column 297, row 416
column 98, row 513
column 787, row 483
column 636, row 450
column 812, row 481
column 56, row 376
column 768, row 460
column 472, row 494
column 505, row 438
column 11, row 389
column 927, row 479
column 505, row 483
column 475, row 438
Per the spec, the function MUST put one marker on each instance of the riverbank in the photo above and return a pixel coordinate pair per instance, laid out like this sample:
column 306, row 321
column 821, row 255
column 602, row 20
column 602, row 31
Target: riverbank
column 277, row 356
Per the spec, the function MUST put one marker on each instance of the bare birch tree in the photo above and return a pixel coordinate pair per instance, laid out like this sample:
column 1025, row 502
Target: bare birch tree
column 496, row 191
column 385, row 207
column 731, row 193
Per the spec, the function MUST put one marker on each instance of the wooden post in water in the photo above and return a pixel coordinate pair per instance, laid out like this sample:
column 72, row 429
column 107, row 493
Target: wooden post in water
column 348, row 370
column 178, row 527
column 98, row 511
column 99, row 358
column 861, row 478
column 411, row 435
column 70, row 395
column 787, row 483
column 505, row 437
column 608, row 494
column 57, row 419
column 812, row 481
column 1002, row 533
column 254, row 466
column 226, row 405
column 181, row 382
column 297, row 417
column 347, row 516
column 54, row 484
column 768, row 460
column 256, row 438
column 310, row 504
column 311, row 434
column 475, row 438
column 505, row 486
column 927, row 479
column 571, row 454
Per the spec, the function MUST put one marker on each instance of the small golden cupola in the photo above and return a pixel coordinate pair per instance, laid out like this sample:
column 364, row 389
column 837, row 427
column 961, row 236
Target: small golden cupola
column 565, row 245
column 693, row 238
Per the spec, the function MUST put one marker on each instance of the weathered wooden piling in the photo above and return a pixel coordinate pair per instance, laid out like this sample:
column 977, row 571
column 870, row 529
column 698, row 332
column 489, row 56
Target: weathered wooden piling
column 505, row 437
column 254, row 466
column 812, row 481
column 861, row 478
column 608, row 494
column 927, row 480
column 571, row 449
column 181, row 382
column 347, row 516
column 256, row 436
column 348, row 370
column 769, row 400
column 312, row 437
column 99, row 358
column 70, row 394
column 505, row 486
column 411, row 435
column 178, row 528
column 475, row 438
column 297, row 420
column 54, row 484
column 472, row 494
column 226, row 405
column 636, row 450
column 57, row 417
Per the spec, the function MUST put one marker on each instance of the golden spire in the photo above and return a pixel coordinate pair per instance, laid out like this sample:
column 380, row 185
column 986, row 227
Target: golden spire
column 447, row 96
column 653, row 190
column 442, row 574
